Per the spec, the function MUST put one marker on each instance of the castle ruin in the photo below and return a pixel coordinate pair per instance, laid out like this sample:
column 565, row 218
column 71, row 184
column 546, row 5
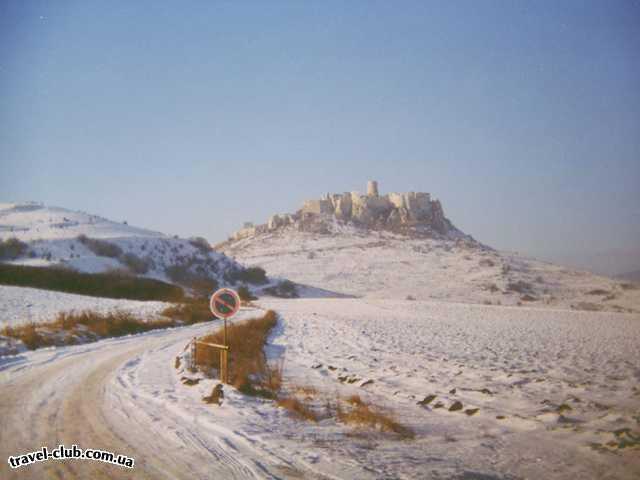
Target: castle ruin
column 393, row 211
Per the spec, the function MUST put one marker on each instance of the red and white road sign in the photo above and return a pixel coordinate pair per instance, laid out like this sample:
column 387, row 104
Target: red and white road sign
column 224, row 303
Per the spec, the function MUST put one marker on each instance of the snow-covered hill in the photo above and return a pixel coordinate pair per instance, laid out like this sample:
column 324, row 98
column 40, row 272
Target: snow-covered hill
column 345, row 258
column 52, row 236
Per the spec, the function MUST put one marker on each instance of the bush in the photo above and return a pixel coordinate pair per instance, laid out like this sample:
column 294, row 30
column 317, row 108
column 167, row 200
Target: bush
column 520, row 286
column 598, row 291
column 487, row 262
column 101, row 248
column 253, row 275
column 136, row 264
column 245, row 294
column 284, row 289
column 12, row 248
column 201, row 244
column 200, row 284
column 110, row 285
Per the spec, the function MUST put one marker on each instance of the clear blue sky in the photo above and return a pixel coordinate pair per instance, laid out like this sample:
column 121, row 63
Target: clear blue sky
column 192, row 117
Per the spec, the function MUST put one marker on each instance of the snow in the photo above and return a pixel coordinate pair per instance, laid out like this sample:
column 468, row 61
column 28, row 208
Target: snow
column 551, row 384
column 531, row 360
column 377, row 264
column 20, row 305
column 52, row 237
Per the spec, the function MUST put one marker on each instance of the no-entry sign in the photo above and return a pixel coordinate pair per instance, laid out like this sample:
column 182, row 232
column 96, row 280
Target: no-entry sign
column 225, row 303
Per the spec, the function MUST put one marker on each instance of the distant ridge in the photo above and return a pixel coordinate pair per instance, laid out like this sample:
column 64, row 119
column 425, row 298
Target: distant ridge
column 633, row 276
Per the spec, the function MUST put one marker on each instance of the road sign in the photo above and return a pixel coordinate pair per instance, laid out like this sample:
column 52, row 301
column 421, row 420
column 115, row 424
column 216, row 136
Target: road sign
column 225, row 303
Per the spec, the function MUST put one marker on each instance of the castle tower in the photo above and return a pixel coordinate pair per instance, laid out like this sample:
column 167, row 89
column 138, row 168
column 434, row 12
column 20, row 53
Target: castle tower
column 372, row 188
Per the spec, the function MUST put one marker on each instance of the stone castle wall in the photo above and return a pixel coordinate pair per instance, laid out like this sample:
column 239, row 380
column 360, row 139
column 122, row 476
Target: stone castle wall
column 392, row 210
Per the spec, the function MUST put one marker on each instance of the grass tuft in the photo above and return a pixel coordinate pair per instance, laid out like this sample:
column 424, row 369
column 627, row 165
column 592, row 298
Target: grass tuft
column 297, row 408
column 362, row 414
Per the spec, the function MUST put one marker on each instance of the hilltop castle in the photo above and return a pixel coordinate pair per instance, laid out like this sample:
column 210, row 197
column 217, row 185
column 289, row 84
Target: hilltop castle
column 394, row 211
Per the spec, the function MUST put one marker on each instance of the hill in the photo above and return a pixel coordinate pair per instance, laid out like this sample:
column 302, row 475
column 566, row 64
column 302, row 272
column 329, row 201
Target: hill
column 414, row 260
column 35, row 235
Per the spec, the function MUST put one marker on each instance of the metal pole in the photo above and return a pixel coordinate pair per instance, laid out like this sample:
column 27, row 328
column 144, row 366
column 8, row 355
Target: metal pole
column 193, row 353
column 226, row 367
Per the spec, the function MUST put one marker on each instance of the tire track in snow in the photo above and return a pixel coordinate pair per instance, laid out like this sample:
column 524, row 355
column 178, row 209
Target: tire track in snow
column 98, row 396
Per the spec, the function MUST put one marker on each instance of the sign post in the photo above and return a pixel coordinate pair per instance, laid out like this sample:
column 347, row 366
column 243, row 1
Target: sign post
column 224, row 304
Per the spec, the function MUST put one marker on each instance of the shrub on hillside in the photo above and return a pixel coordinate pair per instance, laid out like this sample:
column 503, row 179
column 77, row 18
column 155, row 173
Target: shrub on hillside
column 101, row 248
column 598, row 291
column 520, row 286
column 284, row 289
column 136, row 264
column 245, row 294
column 12, row 248
column 201, row 284
column 253, row 275
column 201, row 244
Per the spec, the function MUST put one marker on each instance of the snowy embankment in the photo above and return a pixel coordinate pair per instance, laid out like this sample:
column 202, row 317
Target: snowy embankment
column 563, row 381
column 19, row 305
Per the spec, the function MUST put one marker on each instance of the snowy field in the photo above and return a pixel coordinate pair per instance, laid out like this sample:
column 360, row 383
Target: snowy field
column 519, row 363
column 20, row 305
column 522, row 364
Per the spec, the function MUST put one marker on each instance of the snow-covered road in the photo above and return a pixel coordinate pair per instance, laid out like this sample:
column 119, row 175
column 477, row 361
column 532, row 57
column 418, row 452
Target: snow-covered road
column 124, row 395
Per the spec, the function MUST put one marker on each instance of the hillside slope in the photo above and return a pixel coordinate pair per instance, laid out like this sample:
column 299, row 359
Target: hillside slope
column 37, row 235
column 383, row 264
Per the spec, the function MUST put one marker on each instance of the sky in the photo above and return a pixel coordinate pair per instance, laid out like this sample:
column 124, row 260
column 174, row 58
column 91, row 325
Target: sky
column 192, row 117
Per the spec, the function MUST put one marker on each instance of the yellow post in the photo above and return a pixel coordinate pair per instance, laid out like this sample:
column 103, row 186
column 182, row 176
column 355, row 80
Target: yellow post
column 222, row 366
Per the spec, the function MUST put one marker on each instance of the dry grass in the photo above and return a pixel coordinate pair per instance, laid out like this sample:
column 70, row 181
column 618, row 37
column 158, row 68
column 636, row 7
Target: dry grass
column 297, row 408
column 28, row 334
column 308, row 390
column 252, row 375
column 87, row 325
column 111, row 324
column 249, row 371
column 362, row 414
column 193, row 311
